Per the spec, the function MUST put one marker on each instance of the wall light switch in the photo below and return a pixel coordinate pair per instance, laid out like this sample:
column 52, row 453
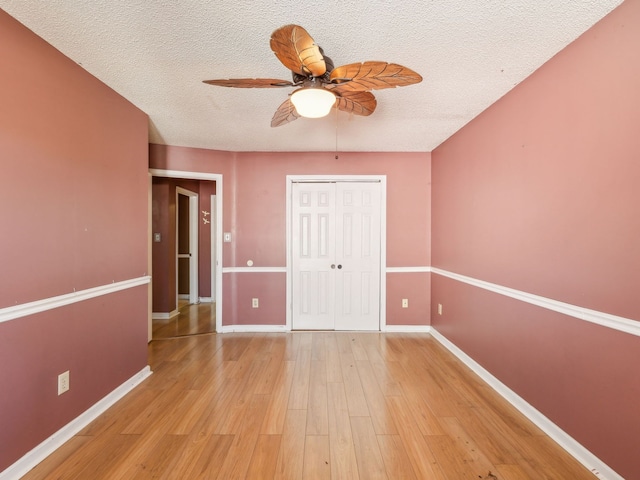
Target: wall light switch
column 405, row 303
column 157, row 237
column 439, row 309
column 227, row 237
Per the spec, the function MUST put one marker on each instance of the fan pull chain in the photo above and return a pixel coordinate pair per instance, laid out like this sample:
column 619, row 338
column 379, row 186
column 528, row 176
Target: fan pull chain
column 336, row 133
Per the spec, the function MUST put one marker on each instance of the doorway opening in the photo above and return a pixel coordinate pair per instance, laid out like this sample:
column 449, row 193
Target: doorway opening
column 186, row 255
column 187, row 233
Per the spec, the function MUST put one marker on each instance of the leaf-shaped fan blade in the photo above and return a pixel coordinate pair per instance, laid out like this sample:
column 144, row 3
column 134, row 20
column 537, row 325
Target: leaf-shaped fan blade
column 297, row 51
column 373, row 76
column 286, row 113
column 358, row 103
column 250, row 83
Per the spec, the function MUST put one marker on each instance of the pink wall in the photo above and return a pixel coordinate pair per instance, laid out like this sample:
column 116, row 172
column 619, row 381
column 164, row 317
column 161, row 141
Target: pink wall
column 416, row 288
column 102, row 342
column 269, row 288
column 162, row 255
column 74, row 213
column 254, row 185
column 540, row 193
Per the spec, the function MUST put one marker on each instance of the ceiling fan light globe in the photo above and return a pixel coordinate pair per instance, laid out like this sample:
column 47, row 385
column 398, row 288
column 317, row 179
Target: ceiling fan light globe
column 313, row 102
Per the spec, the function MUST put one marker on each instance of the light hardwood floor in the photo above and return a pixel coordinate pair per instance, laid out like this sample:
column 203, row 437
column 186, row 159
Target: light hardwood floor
column 192, row 319
column 309, row 405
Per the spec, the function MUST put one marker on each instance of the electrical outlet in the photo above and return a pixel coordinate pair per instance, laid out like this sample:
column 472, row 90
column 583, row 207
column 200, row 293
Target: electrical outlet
column 439, row 309
column 405, row 303
column 255, row 303
column 63, row 382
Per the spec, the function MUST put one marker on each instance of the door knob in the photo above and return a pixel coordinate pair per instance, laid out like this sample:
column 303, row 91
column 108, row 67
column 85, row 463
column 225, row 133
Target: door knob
column 339, row 267
column 333, row 265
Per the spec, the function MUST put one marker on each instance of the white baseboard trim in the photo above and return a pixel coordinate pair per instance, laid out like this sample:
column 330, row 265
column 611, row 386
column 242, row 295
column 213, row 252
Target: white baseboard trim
column 575, row 449
column 164, row 315
column 31, row 308
column 284, row 329
column 206, row 300
column 55, row 441
column 407, row 328
column 622, row 324
column 254, row 329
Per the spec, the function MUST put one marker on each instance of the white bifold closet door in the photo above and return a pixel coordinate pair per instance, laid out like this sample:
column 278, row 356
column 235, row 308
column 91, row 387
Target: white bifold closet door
column 336, row 242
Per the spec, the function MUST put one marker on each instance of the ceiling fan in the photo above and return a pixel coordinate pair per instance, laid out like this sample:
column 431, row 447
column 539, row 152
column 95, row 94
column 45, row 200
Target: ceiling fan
column 321, row 85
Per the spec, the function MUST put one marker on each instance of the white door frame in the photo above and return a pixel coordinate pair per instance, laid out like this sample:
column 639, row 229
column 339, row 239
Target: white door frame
column 217, row 271
column 214, row 247
column 291, row 179
column 193, row 243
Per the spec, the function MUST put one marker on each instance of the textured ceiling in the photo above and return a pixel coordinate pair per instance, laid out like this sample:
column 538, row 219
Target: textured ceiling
column 156, row 53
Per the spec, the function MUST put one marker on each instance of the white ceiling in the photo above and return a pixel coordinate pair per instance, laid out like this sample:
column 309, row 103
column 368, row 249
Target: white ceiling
column 156, row 53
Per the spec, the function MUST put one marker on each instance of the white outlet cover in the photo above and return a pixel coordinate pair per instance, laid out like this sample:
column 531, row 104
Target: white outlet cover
column 63, row 382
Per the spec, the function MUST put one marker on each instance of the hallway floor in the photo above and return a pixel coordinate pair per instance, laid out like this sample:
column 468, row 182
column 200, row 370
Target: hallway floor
column 193, row 319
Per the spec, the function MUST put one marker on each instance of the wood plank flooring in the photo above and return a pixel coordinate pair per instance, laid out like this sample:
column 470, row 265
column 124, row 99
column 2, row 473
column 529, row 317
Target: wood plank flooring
column 316, row 405
column 192, row 319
